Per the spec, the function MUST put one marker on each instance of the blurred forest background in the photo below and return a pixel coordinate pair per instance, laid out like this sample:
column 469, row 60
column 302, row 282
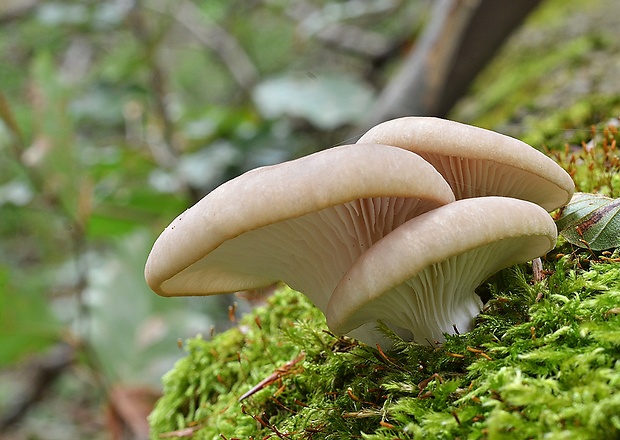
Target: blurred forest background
column 116, row 115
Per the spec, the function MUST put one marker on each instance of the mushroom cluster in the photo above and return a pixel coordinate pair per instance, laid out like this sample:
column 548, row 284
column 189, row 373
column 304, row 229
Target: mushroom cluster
column 400, row 227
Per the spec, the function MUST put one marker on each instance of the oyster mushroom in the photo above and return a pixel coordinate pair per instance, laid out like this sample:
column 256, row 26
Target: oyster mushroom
column 302, row 222
column 420, row 279
column 478, row 162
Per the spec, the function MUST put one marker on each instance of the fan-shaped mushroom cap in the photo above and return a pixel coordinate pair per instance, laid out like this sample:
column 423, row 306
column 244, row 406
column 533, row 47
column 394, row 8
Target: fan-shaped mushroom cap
column 478, row 162
column 302, row 222
column 420, row 278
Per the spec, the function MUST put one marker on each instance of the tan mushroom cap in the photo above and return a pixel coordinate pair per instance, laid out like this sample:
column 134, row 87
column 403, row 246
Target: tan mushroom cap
column 420, row 279
column 478, row 162
column 302, row 222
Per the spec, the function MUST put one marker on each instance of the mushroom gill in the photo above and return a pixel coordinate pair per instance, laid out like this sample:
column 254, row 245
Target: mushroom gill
column 420, row 279
column 478, row 162
column 302, row 222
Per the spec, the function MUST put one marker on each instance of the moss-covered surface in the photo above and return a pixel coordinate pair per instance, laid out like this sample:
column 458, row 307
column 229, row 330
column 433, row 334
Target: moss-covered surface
column 558, row 71
column 543, row 360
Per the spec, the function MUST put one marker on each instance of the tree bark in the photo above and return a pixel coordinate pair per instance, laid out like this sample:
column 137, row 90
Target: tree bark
column 462, row 37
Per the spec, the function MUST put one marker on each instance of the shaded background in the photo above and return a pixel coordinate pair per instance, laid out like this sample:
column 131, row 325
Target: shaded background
column 116, row 115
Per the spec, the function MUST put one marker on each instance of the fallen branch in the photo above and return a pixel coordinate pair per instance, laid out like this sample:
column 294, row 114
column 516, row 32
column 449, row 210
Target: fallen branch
column 462, row 36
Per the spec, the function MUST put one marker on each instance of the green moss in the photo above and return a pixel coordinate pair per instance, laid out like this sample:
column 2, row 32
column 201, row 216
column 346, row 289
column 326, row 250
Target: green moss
column 543, row 359
column 552, row 74
column 555, row 129
column 201, row 392
column 512, row 88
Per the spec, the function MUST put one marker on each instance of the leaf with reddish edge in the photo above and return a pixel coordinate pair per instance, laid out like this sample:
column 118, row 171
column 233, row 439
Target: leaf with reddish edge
column 591, row 221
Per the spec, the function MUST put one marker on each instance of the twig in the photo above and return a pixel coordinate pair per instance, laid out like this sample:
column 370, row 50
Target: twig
column 340, row 35
column 277, row 374
column 224, row 45
column 162, row 146
column 356, row 40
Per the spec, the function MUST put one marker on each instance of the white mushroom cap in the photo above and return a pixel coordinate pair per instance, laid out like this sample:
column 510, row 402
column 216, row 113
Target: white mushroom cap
column 302, row 222
column 420, row 279
column 478, row 162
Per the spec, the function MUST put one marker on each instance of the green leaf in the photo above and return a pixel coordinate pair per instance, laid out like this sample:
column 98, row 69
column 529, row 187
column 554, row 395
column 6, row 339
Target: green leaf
column 327, row 101
column 27, row 322
column 591, row 220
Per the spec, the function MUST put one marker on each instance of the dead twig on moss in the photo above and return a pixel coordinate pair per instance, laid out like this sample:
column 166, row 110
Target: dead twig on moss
column 276, row 375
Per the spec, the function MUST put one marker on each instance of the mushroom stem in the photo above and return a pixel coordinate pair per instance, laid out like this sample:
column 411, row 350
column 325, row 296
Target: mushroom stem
column 309, row 253
column 537, row 270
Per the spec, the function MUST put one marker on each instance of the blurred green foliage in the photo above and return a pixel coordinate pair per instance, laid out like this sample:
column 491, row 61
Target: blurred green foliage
column 117, row 115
